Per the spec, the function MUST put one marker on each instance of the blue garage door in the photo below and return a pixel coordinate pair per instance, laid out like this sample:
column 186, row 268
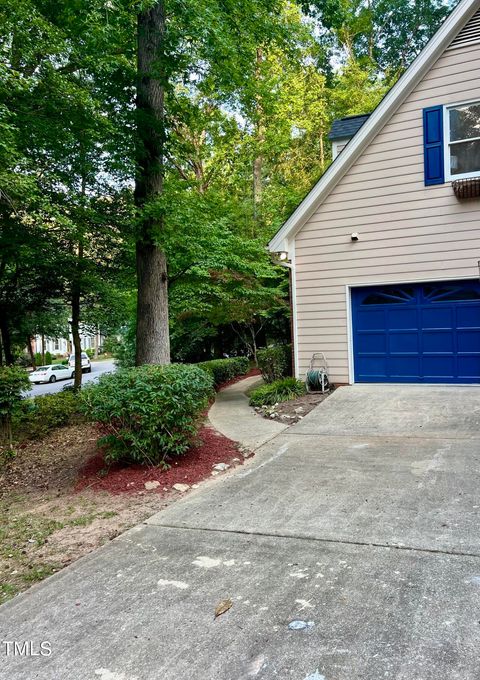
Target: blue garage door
column 427, row 332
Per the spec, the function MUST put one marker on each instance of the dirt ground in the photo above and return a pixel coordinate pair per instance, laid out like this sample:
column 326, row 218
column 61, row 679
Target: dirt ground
column 59, row 500
column 291, row 412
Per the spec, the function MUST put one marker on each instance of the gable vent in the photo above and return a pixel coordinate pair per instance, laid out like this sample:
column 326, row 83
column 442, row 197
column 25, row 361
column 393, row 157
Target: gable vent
column 469, row 34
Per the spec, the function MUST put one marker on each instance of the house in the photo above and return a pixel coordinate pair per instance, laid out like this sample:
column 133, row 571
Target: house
column 385, row 249
column 64, row 346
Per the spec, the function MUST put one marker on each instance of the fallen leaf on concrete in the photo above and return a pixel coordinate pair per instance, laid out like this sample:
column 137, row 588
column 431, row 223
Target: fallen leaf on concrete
column 223, row 607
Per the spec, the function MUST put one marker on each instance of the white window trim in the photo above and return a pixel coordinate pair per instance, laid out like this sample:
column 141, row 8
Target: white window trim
column 449, row 177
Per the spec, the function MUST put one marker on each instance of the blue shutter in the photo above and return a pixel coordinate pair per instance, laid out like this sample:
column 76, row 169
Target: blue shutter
column 433, row 145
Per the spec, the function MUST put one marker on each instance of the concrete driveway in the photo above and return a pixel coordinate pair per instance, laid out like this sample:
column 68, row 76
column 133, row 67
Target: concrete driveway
column 361, row 522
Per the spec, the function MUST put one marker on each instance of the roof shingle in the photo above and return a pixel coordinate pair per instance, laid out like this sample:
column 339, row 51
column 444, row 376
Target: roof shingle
column 345, row 128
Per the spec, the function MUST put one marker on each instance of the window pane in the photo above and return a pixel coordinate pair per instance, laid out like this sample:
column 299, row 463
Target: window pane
column 465, row 157
column 465, row 122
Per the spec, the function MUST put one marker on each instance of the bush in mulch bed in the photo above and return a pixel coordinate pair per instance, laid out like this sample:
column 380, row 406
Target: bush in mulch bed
column 224, row 370
column 148, row 413
column 192, row 467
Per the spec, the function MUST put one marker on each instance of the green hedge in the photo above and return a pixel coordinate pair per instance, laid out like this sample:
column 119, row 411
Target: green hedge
column 275, row 362
column 277, row 391
column 149, row 412
column 13, row 381
column 39, row 415
column 223, row 370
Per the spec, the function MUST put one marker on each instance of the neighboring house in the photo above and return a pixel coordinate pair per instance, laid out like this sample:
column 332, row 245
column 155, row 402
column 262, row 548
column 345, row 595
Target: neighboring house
column 385, row 249
column 64, row 346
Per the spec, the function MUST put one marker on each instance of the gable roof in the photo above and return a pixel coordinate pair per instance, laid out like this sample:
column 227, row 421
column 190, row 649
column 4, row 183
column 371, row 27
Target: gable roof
column 442, row 39
column 345, row 128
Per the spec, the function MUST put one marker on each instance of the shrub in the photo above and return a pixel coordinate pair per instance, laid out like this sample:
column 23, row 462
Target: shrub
column 222, row 370
column 275, row 362
column 38, row 359
column 279, row 390
column 148, row 412
column 13, row 381
column 44, row 413
column 90, row 353
column 48, row 358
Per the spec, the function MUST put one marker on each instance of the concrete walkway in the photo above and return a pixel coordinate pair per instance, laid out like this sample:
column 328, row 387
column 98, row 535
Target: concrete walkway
column 348, row 548
column 232, row 416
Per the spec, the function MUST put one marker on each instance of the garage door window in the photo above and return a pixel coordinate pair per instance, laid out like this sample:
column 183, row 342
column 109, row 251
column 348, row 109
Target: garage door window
column 450, row 294
column 390, row 297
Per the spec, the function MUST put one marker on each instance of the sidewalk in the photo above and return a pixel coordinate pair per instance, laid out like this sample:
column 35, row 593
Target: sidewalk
column 233, row 417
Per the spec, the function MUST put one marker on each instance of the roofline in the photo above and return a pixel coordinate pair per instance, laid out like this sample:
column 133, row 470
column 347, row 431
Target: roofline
column 387, row 107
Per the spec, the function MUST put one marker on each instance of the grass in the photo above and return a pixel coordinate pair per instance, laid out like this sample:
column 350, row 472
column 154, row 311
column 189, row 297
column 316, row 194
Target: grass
column 22, row 534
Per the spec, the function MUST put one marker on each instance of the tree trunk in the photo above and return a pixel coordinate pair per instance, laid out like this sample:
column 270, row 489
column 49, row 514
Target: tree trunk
column 75, row 301
column 153, row 341
column 6, row 342
column 43, row 348
column 260, row 140
column 95, row 343
column 30, row 351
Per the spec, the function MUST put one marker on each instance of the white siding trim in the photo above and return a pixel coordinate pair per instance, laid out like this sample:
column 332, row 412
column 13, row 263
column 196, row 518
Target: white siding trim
column 446, row 143
column 351, row 360
column 296, row 371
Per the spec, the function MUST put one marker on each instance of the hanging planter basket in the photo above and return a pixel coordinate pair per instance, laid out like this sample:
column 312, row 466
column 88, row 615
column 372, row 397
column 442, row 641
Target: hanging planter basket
column 466, row 188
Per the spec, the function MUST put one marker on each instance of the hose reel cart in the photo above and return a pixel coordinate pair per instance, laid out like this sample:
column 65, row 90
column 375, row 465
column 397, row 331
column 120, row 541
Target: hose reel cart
column 317, row 374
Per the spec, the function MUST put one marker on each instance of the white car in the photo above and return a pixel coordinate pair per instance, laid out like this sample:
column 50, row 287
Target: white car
column 86, row 365
column 51, row 373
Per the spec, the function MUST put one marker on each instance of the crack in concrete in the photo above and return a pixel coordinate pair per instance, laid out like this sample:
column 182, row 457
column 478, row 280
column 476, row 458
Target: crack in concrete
column 367, row 435
column 364, row 544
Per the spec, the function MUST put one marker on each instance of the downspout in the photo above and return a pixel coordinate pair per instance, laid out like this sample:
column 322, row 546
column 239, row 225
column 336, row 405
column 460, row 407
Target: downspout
column 291, row 293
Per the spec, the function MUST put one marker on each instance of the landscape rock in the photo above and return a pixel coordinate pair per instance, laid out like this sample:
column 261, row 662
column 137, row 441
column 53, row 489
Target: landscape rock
column 152, row 485
column 221, row 467
column 181, row 487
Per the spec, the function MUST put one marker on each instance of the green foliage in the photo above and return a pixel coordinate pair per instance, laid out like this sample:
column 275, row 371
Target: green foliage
column 255, row 82
column 123, row 347
column 275, row 392
column 90, row 353
column 13, row 382
column 38, row 359
column 275, row 362
column 38, row 416
column 48, row 358
column 223, row 370
column 149, row 413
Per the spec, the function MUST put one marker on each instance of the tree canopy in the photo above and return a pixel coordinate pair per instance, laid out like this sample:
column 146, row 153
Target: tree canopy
column 186, row 129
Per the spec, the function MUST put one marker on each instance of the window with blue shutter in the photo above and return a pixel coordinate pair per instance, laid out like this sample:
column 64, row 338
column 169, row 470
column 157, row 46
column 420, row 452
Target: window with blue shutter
column 433, row 145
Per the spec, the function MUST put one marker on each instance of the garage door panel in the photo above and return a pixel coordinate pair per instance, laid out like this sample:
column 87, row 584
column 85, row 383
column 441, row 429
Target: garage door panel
column 402, row 319
column 371, row 319
column 468, row 316
column 468, row 340
column 404, row 343
column 438, row 341
column 469, row 368
column 404, row 367
column 439, row 367
column 417, row 333
column 372, row 367
column 439, row 317
column 373, row 343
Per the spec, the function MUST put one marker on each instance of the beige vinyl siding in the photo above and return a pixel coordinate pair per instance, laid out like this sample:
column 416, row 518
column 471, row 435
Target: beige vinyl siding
column 407, row 232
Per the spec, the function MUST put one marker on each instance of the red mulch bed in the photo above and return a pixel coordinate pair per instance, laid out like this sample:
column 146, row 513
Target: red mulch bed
column 190, row 468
